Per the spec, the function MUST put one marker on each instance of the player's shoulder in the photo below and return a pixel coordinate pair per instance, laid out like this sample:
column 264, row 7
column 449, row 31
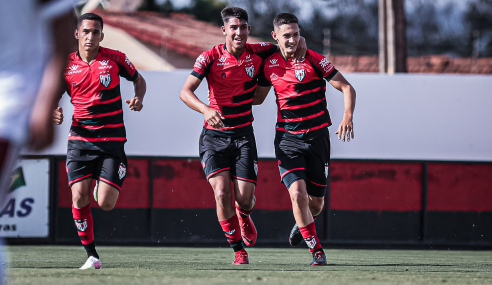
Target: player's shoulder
column 272, row 59
column 311, row 55
column 211, row 54
column 111, row 53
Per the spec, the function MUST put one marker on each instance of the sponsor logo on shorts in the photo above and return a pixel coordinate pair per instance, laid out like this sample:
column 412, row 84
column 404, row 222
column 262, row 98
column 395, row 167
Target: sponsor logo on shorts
column 81, row 225
column 122, row 171
column 311, row 242
column 250, row 71
column 327, row 167
column 256, row 167
column 105, row 79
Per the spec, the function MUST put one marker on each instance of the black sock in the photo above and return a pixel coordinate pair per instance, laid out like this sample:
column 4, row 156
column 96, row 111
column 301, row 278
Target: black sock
column 91, row 250
column 237, row 246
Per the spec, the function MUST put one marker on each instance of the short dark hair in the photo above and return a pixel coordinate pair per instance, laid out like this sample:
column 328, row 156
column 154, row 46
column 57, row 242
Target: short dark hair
column 285, row 18
column 89, row 16
column 229, row 12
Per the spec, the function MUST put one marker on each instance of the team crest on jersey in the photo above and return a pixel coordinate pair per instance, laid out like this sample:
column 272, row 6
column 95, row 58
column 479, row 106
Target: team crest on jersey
column 122, row 171
column 81, row 225
column 311, row 242
column 327, row 167
column 250, row 71
column 105, row 79
column 300, row 73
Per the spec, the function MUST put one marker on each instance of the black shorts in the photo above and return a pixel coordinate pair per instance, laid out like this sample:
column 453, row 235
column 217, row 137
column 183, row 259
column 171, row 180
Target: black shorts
column 307, row 160
column 105, row 167
column 234, row 154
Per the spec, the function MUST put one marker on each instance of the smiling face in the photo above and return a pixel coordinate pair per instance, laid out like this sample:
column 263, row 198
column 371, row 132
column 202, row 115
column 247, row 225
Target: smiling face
column 236, row 32
column 287, row 37
column 89, row 34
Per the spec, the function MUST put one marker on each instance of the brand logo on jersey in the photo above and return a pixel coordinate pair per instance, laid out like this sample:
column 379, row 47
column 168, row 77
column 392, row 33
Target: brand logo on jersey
column 248, row 56
column 300, row 73
column 105, row 79
column 250, row 71
column 222, row 61
column 263, row 44
column 273, row 62
column 81, row 225
column 311, row 242
column 73, row 69
column 326, row 65
column 122, row 171
column 327, row 167
column 104, row 62
column 256, row 167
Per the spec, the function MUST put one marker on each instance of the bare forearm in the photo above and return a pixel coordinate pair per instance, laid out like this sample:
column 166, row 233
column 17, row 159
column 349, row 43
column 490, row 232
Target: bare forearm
column 349, row 97
column 190, row 99
column 140, row 87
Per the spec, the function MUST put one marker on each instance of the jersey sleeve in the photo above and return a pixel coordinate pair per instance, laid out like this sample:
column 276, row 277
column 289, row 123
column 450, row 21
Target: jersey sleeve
column 321, row 64
column 125, row 68
column 262, row 80
column 263, row 49
column 202, row 65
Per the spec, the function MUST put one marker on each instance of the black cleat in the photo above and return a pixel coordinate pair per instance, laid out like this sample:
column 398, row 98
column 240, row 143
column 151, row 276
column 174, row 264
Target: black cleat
column 319, row 258
column 295, row 237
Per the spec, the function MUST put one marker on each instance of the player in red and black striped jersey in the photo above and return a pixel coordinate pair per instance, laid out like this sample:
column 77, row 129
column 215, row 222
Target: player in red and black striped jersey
column 227, row 143
column 97, row 134
column 302, row 143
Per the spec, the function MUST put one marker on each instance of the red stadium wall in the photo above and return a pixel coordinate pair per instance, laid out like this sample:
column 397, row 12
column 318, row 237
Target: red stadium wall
column 368, row 202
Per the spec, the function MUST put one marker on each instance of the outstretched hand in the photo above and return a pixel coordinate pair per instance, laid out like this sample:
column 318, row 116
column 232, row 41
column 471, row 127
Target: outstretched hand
column 134, row 104
column 345, row 129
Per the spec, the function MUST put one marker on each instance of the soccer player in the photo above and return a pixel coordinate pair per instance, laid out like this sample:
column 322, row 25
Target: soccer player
column 302, row 143
column 32, row 60
column 97, row 134
column 227, row 144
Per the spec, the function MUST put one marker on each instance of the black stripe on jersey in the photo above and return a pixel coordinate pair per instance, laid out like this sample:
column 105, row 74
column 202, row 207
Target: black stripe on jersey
column 303, row 112
column 105, row 108
column 108, row 146
column 99, row 121
column 306, row 98
column 236, row 121
column 268, row 52
column 226, row 110
column 123, row 72
column 109, row 94
column 118, row 132
column 249, row 84
column 307, row 86
column 304, row 125
column 243, row 97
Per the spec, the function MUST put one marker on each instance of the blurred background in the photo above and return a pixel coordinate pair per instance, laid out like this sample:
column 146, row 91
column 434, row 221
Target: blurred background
column 417, row 174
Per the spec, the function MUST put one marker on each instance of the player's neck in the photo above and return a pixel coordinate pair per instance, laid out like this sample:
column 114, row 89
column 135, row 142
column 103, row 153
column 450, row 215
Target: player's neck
column 88, row 55
column 235, row 52
column 285, row 55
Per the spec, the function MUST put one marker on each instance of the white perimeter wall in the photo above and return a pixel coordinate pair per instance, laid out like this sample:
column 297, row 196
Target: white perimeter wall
column 409, row 117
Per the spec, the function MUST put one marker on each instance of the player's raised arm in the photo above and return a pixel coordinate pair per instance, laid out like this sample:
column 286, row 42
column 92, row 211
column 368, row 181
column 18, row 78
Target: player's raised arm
column 346, row 127
column 187, row 95
column 300, row 52
column 140, row 86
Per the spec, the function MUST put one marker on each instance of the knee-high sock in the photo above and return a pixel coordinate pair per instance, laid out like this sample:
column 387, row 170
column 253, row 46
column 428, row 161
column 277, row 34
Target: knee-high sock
column 309, row 234
column 84, row 223
column 232, row 232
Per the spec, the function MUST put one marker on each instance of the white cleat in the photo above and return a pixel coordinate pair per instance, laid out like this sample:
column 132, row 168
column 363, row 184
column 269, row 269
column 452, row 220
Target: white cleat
column 91, row 263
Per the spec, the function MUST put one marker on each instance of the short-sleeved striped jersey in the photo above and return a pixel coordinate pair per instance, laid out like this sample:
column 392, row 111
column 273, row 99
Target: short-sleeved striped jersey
column 300, row 91
column 94, row 88
column 232, row 84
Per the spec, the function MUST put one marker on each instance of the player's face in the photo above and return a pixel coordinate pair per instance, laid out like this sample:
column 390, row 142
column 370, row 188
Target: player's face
column 287, row 37
column 89, row 35
column 236, row 32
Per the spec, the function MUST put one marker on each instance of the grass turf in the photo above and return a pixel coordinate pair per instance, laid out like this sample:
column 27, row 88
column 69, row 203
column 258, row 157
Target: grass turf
column 170, row 265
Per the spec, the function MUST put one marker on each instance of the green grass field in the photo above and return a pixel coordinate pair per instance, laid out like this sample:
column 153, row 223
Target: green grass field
column 171, row 265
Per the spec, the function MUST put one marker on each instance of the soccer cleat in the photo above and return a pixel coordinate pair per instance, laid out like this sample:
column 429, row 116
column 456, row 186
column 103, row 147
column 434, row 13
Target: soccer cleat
column 295, row 236
column 91, row 263
column 241, row 257
column 248, row 229
column 95, row 190
column 319, row 258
